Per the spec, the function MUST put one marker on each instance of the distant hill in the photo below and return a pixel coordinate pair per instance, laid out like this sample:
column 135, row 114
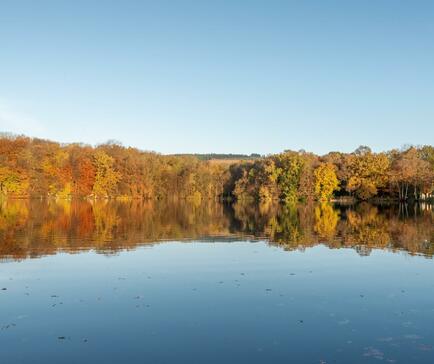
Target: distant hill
column 217, row 156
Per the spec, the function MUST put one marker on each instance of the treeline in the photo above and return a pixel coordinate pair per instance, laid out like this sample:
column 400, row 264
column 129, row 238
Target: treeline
column 293, row 176
column 219, row 156
column 31, row 167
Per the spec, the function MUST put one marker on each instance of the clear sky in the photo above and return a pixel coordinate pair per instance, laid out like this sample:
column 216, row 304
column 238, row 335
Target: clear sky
column 219, row 76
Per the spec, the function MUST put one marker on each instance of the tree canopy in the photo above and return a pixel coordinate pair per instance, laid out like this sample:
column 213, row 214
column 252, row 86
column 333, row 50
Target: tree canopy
column 31, row 167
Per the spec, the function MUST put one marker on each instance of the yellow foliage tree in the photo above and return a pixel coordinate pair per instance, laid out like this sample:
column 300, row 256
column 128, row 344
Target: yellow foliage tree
column 326, row 181
column 12, row 182
column 106, row 177
column 368, row 172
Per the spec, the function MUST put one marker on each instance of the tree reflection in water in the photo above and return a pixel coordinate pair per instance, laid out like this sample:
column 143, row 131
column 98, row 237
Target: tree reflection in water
column 32, row 228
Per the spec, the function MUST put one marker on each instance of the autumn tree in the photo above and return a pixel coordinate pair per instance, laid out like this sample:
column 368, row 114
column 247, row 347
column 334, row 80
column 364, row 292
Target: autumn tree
column 289, row 170
column 411, row 173
column 306, row 184
column 82, row 169
column 106, row 177
column 326, row 181
column 258, row 181
column 12, row 183
column 367, row 172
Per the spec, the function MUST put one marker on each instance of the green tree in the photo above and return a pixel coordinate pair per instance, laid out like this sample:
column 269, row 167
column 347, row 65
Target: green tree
column 289, row 170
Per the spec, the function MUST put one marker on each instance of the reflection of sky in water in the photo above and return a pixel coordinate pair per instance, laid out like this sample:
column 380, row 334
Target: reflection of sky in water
column 218, row 302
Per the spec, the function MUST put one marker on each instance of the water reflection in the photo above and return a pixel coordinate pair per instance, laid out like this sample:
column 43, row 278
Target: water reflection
column 31, row 228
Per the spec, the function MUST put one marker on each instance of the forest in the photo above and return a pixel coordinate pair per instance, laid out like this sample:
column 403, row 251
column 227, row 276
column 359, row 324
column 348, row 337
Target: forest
column 31, row 167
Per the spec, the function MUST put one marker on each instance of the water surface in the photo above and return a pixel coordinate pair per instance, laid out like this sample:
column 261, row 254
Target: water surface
column 180, row 283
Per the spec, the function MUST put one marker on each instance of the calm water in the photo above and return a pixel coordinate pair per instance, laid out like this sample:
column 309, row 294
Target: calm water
column 210, row 283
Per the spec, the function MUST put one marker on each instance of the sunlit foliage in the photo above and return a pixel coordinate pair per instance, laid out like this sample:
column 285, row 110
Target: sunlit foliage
column 40, row 168
column 326, row 181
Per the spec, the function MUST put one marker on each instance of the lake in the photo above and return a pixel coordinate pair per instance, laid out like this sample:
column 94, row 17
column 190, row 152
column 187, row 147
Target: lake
column 202, row 282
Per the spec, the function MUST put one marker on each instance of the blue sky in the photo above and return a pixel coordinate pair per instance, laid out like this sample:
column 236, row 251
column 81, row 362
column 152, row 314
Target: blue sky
column 219, row 76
